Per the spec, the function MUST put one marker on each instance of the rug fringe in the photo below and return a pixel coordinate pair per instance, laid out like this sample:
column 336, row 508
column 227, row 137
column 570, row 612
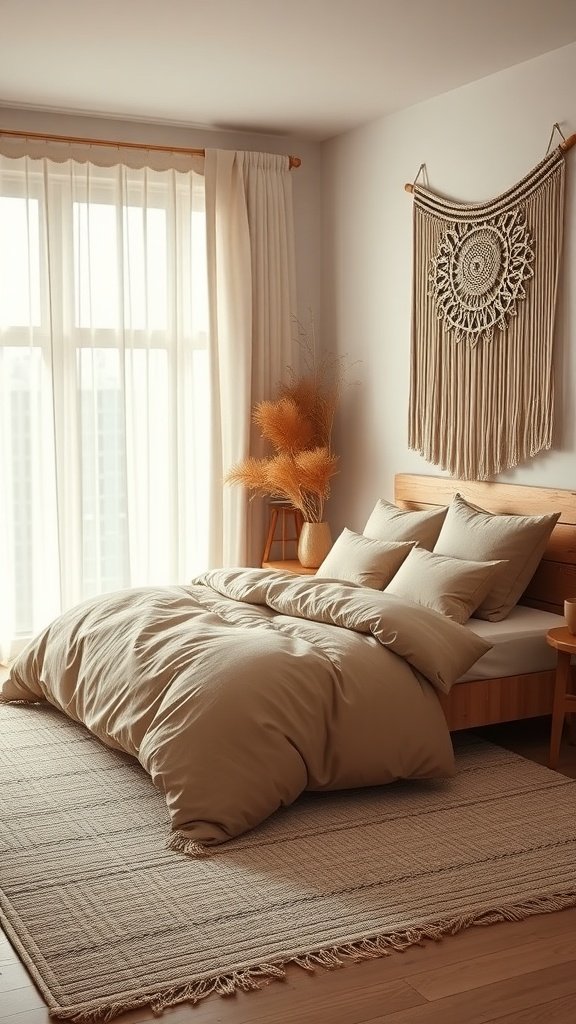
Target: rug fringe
column 183, row 843
column 14, row 700
column 253, row 978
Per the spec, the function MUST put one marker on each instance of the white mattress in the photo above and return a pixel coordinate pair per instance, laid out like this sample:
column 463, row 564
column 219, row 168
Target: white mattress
column 519, row 644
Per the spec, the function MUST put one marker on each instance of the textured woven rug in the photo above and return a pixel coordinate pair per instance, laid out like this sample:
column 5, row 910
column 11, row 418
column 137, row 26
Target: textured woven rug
column 106, row 919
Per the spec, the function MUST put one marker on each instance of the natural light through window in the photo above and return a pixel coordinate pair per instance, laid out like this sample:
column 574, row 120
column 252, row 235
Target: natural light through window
column 104, row 385
column 19, row 263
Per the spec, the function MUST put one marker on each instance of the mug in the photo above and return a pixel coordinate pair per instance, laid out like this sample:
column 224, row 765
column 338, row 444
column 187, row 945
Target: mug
column 570, row 614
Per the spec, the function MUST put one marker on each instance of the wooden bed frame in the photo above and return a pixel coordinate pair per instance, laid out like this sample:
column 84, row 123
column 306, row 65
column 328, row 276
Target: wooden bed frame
column 488, row 701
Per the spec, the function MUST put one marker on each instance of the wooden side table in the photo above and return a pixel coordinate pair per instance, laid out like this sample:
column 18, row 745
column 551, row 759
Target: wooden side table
column 564, row 702
column 290, row 565
column 289, row 518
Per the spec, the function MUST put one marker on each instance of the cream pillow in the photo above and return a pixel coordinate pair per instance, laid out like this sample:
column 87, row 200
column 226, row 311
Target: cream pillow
column 390, row 523
column 471, row 532
column 357, row 559
column 452, row 586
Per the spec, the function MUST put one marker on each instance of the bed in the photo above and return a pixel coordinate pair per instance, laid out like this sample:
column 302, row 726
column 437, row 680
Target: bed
column 246, row 687
column 243, row 689
column 487, row 701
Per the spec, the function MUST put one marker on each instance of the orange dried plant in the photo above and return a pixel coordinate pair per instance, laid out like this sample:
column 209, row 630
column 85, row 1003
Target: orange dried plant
column 298, row 424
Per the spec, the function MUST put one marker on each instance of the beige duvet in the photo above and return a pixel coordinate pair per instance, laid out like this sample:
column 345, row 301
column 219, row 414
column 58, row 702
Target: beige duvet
column 244, row 689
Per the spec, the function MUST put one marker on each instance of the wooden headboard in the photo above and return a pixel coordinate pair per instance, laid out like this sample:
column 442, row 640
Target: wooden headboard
column 555, row 579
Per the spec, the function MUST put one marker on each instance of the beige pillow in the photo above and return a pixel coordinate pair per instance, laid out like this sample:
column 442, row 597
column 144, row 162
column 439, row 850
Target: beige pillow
column 390, row 523
column 471, row 532
column 357, row 559
column 451, row 586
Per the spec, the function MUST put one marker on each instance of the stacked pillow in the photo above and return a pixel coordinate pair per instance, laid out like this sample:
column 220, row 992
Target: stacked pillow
column 459, row 560
column 472, row 532
column 388, row 522
column 453, row 586
column 357, row 559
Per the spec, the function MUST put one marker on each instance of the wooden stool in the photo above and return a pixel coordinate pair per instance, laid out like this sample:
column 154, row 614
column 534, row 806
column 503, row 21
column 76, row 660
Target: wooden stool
column 564, row 702
column 289, row 517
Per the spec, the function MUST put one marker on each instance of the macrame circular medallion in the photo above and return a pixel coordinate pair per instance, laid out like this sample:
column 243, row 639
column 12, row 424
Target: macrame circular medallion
column 478, row 274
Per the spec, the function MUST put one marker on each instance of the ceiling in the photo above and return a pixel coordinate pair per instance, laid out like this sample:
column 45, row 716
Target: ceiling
column 310, row 68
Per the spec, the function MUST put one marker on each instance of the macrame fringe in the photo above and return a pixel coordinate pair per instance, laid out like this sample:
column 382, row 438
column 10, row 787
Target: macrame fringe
column 253, row 978
column 483, row 307
column 182, row 843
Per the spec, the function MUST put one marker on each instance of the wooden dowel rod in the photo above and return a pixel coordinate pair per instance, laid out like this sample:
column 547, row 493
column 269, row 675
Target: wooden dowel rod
column 564, row 146
column 568, row 143
column 295, row 161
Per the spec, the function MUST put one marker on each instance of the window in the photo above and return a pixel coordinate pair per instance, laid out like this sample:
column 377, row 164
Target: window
column 104, row 384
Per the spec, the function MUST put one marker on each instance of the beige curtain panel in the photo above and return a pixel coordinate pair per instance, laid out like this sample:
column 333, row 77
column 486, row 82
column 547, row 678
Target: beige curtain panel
column 252, row 297
column 484, row 298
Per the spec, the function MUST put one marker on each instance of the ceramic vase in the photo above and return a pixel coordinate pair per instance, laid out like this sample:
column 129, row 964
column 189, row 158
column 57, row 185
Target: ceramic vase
column 314, row 544
column 570, row 613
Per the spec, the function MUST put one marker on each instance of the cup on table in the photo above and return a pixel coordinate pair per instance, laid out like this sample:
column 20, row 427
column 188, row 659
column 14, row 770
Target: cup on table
column 570, row 613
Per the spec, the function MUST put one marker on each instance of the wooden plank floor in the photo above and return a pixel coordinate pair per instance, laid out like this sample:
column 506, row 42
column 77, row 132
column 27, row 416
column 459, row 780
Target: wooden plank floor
column 517, row 973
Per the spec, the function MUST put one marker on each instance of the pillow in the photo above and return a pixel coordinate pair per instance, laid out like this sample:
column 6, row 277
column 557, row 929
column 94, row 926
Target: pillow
column 390, row 523
column 452, row 586
column 472, row 532
column 357, row 559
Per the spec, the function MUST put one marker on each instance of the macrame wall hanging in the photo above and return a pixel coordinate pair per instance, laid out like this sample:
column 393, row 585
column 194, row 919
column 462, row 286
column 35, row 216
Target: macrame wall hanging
column 484, row 296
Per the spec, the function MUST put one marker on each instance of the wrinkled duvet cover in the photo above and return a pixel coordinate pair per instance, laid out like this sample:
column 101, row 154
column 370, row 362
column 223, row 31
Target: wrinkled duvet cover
column 244, row 689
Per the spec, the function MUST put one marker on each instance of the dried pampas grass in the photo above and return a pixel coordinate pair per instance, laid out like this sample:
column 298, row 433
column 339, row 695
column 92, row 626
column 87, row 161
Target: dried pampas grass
column 298, row 425
column 283, row 424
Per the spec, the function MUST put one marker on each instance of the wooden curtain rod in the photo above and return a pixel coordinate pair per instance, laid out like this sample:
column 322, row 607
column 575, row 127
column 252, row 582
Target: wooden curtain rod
column 295, row 161
column 564, row 146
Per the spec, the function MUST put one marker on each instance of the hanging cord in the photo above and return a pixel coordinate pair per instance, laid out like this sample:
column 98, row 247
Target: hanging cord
column 555, row 128
column 421, row 171
column 564, row 146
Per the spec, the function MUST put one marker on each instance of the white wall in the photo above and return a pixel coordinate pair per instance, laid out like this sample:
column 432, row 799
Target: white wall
column 306, row 179
column 476, row 142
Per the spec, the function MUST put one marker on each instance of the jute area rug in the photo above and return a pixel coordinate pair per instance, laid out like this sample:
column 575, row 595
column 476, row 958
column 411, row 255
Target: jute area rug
column 107, row 919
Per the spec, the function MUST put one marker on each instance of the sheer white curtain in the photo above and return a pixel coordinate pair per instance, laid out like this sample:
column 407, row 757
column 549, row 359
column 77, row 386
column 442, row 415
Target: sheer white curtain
column 142, row 313
column 105, row 410
column 250, row 236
